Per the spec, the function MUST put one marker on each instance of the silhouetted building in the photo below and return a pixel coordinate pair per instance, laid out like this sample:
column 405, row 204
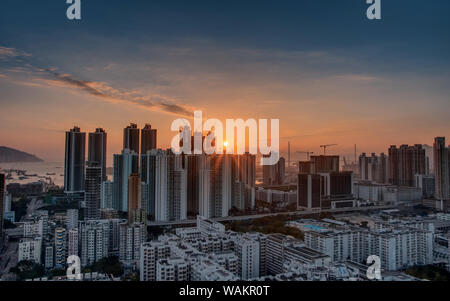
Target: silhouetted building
column 325, row 163
column 131, row 138
column 374, row 168
column 2, row 202
column 441, row 169
column 74, row 161
column 274, row 174
column 309, row 191
column 148, row 138
column 404, row 163
column 92, row 195
column 97, row 149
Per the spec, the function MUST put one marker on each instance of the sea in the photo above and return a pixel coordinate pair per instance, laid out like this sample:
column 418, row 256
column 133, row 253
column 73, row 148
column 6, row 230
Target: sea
column 34, row 172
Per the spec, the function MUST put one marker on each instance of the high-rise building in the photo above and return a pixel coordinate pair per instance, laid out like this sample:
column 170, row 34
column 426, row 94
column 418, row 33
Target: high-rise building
column 71, row 219
column 374, row 168
column 274, row 174
column 92, row 195
column 309, row 191
column 2, row 200
column 49, row 256
column 60, row 247
column 148, row 138
column 325, row 163
column 72, row 242
column 94, row 240
column 97, row 150
column 131, row 238
column 148, row 173
column 134, row 196
column 124, row 165
column 404, row 163
column 167, row 194
column 131, row 138
column 30, row 249
column 74, row 161
column 441, row 169
column 107, row 195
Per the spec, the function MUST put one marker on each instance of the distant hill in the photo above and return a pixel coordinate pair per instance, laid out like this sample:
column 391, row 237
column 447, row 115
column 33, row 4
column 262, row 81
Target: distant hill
column 13, row 155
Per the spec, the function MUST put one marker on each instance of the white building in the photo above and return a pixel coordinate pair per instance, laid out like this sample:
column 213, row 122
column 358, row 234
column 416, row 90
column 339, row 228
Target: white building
column 94, row 240
column 30, row 249
column 130, row 239
column 247, row 250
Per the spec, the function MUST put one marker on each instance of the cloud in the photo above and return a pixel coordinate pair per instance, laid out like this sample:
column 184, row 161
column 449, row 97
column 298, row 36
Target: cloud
column 6, row 53
column 50, row 76
column 103, row 90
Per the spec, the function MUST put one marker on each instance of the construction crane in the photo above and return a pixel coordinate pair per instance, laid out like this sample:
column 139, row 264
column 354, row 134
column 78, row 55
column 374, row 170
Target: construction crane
column 325, row 148
column 307, row 153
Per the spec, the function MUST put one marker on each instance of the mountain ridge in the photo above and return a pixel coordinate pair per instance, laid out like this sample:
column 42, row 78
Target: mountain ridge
column 11, row 155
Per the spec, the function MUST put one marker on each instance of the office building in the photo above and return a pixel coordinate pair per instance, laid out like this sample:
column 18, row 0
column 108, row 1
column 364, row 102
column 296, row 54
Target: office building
column 74, row 165
column 97, row 150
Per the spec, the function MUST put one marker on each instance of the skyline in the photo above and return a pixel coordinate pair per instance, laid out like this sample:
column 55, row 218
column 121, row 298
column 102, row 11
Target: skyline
column 345, row 80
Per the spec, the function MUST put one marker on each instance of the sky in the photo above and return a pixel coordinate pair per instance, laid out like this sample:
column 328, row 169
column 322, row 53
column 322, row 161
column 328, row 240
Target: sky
column 330, row 75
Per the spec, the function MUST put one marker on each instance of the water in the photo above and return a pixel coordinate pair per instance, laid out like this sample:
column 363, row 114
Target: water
column 39, row 168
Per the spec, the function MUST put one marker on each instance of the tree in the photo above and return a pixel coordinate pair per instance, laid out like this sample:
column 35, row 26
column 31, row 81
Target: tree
column 27, row 269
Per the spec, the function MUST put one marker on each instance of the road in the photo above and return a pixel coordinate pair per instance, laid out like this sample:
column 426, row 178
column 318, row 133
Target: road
column 255, row 216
